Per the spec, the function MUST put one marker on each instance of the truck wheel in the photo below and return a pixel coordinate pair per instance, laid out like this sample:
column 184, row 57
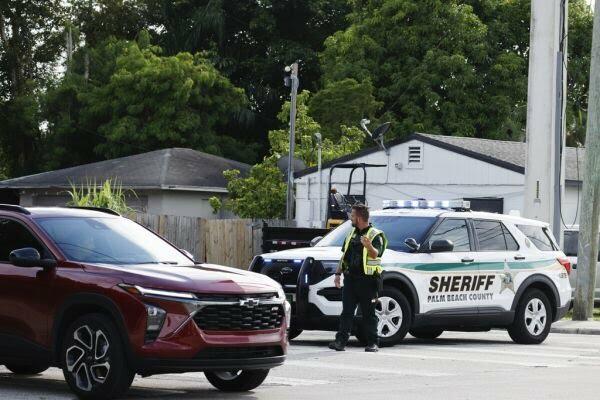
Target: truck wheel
column 26, row 369
column 426, row 333
column 394, row 315
column 533, row 318
column 93, row 359
column 237, row 381
column 293, row 333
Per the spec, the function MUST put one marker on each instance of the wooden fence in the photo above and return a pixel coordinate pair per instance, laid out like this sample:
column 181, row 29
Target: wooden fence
column 231, row 242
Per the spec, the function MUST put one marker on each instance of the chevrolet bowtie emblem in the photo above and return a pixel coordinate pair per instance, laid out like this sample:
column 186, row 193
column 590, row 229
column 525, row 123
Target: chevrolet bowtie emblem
column 249, row 302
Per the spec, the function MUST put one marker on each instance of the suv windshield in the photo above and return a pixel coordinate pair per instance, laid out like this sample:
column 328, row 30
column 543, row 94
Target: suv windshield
column 396, row 228
column 110, row 241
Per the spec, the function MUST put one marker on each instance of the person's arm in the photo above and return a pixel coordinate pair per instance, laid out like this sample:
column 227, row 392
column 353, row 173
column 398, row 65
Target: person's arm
column 373, row 249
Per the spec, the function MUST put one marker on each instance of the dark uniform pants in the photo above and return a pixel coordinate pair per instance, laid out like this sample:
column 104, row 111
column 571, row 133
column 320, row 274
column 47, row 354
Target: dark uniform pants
column 359, row 290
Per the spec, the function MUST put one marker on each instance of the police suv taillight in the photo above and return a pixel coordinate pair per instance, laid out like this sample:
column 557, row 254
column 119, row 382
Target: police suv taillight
column 565, row 263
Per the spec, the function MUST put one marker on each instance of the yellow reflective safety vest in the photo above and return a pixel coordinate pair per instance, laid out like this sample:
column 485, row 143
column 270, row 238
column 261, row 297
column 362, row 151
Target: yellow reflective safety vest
column 371, row 266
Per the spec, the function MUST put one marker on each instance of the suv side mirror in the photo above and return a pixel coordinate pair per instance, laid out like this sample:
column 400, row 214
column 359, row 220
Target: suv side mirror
column 441, row 246
column 412, row 244
column 29, row 257
column 315, row 240
column 187, row 254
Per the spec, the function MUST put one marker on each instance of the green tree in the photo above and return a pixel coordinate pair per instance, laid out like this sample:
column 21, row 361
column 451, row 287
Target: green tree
column 430, row 64
column 30, row 44
column 135, row 100
column 343, row 102
column 261, row 194
column 251, row 41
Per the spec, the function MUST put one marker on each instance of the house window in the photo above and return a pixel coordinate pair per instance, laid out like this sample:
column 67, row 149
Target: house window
column 415, row 156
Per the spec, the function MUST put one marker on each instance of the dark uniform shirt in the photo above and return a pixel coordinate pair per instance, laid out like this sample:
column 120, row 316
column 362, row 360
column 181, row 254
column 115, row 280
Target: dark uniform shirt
column 353, row 260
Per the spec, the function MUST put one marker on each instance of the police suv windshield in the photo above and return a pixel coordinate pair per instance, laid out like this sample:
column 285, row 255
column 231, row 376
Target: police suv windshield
column 397, row 229
column 110, row 241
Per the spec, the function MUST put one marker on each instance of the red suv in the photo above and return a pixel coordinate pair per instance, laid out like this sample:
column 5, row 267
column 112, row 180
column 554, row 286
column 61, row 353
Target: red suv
column 104, row 299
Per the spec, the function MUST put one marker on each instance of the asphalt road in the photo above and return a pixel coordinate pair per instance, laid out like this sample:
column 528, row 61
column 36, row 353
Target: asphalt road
column 455, row 366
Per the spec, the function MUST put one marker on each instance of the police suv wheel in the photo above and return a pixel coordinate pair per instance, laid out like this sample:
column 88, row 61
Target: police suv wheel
column 93, row 359
column 533, row 318
column 394, row 316
column 237, row 381
column 428, row 334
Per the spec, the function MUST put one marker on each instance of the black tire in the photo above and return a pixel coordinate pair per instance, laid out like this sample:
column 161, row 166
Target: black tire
column 519, row 331
column 293, row 333
column 427, row 334
column 238, row 381
column 400, row 299
column 94, row 382
column 26, row 369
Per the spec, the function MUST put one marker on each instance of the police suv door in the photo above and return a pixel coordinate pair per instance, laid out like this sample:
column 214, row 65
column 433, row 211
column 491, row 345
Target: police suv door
column 499, row 258
column 446, row 277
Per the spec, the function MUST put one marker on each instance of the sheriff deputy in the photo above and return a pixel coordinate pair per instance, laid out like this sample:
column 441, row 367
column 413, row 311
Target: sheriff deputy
column 361, row 266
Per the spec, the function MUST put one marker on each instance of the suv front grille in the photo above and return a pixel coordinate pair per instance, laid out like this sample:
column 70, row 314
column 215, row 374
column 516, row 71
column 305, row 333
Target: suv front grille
column 238, row 317
column 283, row 271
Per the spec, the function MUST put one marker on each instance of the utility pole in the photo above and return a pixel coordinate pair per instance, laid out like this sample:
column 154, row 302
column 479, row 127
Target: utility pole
column 544, row 171
column 294, row 81
column 590, row 205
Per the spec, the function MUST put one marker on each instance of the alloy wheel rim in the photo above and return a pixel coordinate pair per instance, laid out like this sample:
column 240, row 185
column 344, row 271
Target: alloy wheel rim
column 535, row 316
column 389, row 315
column 87, row 359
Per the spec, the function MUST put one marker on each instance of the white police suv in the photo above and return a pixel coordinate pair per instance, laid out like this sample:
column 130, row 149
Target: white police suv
column 445, row 268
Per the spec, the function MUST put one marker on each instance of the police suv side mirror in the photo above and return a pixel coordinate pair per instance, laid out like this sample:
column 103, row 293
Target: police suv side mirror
column 412, row 244
column 441, row 246
column 315, row 240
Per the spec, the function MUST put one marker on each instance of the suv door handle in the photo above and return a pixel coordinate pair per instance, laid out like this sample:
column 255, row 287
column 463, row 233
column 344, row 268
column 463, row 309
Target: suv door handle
column 467, row 259
column 519, row 257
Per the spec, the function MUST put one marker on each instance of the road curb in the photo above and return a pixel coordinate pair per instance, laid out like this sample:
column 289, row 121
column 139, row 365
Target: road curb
column 576, row 331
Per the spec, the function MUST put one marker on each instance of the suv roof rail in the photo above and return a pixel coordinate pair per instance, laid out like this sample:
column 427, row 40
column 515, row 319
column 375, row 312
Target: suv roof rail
column 14, row 208
column 100, row 209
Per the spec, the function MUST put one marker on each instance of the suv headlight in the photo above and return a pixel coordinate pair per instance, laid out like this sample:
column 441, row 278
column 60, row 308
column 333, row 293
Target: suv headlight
column 164, row 294
column 330, row 266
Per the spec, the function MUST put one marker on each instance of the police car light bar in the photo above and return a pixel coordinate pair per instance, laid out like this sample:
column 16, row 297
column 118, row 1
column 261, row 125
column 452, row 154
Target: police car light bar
column 444, row 204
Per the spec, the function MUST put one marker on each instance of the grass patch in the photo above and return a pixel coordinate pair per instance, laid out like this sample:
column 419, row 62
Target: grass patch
column 596, row 315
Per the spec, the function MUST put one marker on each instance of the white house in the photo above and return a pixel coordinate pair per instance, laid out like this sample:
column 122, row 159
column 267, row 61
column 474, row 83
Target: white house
column 489, row 172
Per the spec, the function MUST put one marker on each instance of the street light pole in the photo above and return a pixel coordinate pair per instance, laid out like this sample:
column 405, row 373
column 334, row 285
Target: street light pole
column 320, row 180
column 289, row 204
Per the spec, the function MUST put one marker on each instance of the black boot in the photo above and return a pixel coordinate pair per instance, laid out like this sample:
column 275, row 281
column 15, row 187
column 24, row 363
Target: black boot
column 372, row 348
column 337, row 346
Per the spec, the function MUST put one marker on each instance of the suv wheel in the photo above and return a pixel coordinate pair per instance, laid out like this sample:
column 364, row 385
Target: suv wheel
column 26, row 369
column 430, row 334
column 237, row 381
column 532, row 318
column 93, row 359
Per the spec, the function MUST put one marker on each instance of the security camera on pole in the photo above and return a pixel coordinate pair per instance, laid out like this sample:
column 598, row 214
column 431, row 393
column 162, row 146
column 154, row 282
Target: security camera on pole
column 293, row 82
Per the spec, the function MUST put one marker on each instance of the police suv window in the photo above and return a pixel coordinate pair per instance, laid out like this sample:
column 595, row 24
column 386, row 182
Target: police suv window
column 454, row 230
column 538, row 237
column 493, row 236
column 490, row 235
column 15, row 236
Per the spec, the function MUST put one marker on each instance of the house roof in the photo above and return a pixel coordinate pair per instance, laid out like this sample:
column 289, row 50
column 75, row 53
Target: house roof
column 174, row 168
column 505, row 154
